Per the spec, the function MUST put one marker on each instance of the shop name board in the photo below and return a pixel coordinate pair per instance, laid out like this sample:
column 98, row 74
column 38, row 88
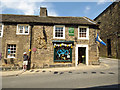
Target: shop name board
column 71, row 31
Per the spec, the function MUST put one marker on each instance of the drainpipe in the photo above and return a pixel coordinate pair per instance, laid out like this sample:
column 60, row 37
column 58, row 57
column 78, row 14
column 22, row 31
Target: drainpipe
column 116, row 44
column 29, row 63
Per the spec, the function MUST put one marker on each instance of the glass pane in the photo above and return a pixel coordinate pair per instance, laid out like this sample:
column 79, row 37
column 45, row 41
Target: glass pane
column 59, row 32
column 0, row 27
column 26, row 29
column 11, row 52
column 20, row 29
column 62, row 53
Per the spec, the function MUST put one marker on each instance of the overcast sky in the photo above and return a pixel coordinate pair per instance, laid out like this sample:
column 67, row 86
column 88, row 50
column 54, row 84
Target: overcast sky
column 79, row 9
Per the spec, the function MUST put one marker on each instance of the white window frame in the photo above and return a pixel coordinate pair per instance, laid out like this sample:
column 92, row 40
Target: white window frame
column 17, row 32
column 87, row 33
column 63, row 32
column 2, row 30
column 12, row 50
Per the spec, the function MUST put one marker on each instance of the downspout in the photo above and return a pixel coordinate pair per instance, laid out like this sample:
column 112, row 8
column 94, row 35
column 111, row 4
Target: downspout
column 116, row 44
column 29, row 64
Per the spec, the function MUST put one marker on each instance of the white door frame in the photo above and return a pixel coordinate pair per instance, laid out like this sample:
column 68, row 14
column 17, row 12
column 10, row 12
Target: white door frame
column 76, row 53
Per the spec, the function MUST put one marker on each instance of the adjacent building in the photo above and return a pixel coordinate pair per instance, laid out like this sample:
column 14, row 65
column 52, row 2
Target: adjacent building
column 109, row 21
column 49, row 41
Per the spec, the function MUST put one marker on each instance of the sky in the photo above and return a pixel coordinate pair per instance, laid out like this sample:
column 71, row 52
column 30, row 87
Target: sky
column 55, row 8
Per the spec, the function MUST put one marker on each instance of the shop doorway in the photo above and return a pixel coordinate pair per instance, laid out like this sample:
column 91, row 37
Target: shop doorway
column 81, row 55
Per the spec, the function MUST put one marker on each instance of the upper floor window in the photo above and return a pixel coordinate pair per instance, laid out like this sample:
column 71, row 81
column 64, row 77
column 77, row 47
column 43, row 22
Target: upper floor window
column 1, row 30
column 23, row 29
column 83, row 32
column 59, row 32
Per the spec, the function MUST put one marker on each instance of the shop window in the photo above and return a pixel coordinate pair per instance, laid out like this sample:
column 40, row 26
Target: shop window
column 11, row 51
column 62, row 53
column 1, row 30
column 59, row 32
column 83, row 33
column 23, row 29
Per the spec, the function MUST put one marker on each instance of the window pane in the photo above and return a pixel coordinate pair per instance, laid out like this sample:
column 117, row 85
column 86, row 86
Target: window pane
column 82, row 32
column 11, row 51
column 0, row 30
column 58, row 31
column 20, row 29
column 26, row 29
column 62, row 53
column 0, row 27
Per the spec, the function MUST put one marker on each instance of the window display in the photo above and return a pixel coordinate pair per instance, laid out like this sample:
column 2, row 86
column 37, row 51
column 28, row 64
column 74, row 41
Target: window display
column 62, row 52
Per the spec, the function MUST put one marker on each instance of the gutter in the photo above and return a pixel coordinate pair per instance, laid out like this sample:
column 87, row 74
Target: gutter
column 29, row 63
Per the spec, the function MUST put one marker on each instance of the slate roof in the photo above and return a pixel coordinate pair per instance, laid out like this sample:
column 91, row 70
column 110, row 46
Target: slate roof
column 11, row 18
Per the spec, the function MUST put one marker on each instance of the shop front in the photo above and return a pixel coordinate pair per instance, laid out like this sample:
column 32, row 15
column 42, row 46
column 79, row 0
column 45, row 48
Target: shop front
column 63, row 51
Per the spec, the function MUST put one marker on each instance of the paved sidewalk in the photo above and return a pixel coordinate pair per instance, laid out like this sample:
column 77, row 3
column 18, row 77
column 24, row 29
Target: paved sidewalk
column 63, row 69
column 60, row 69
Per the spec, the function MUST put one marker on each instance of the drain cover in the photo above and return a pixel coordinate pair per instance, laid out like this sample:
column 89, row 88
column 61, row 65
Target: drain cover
column 69, row 72
column 102, row 72
column 93, row 72
column 43, row 71
column 56, row 72
column 37, row 71
column 62, row 73
column 85, row 72
column 32, row 71
column 111, row 73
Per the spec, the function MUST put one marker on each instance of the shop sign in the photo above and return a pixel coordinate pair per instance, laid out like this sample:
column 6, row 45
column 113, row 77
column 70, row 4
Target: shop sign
column 71, row 31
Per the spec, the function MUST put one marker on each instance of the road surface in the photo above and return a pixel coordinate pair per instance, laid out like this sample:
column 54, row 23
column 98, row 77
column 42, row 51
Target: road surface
column 97, row 77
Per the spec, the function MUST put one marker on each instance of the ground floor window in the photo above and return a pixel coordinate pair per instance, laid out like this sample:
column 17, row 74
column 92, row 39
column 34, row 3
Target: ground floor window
column 62, row 53
column 11, row 51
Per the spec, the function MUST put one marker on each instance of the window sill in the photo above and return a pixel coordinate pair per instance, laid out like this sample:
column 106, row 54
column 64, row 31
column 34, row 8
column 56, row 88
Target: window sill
column 62, row 60
column 83, row 38
column 58, row 38
column 22, row 34
column 10, row 58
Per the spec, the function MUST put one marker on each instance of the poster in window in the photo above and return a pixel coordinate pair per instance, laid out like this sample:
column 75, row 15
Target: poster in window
column 62, row 53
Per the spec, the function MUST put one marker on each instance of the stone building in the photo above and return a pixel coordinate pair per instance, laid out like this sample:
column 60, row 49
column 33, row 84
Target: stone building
column 49, row 41
column 110, row 30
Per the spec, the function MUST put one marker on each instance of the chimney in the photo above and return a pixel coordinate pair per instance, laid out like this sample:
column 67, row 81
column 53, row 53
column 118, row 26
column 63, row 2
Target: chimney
column 43, row 12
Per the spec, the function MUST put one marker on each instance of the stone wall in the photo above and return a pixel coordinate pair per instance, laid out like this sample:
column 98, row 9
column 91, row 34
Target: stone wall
column 45, row 55
column 45, row 50
column 0, row 50
column 22, row 44
column 109, row 27
column 0, row 44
